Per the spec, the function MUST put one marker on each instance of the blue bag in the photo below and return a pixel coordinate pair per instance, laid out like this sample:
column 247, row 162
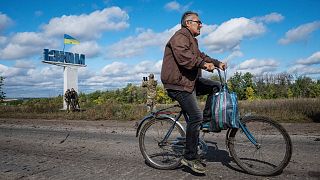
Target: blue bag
column 225, row 113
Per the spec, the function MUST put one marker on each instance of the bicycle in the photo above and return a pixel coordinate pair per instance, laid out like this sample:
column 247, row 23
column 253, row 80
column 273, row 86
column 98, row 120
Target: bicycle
column 261, row 146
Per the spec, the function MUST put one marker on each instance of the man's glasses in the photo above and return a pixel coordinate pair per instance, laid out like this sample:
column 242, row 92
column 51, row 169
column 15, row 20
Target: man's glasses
column 198, row 22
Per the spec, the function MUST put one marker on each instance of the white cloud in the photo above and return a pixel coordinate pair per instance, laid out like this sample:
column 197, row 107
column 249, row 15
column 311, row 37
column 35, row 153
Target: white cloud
column 89, row 48
column 119, row 74
column 301, row 33
column 307, row 66
column 302, row 69
column 135, row 45
column 27, row 38
column 147, row 67
column 269, row 18
column 254, row 63
column 258, row 67
column 233, row 55
column 85, row 73
column 313, row 59
column 48, row 81
column 8, row 72
column 175, row 6
column 3, row 69
column 3, row 40
column 50, row 72
column 26, row 44
column 228, row 35
column 88, row 26
column 17, row 51
column 207, row 29
column 122, row 69
column 22, row 82
column 25, row 64
column 115, row 68
column 5, row 21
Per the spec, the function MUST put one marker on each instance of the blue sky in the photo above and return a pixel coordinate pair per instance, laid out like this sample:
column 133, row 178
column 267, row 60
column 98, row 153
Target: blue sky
column 124, row 40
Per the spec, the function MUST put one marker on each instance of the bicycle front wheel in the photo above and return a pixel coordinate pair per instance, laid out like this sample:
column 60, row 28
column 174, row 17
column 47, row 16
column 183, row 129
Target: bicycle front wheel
column 158, row 151
column 272, row 153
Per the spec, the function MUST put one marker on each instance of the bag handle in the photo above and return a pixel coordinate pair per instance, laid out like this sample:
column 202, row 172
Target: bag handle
column 223, row 82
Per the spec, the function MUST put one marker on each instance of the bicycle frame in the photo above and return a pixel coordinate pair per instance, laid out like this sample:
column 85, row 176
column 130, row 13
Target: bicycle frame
column 244, row 128
column 159, row 114
column 175, row 120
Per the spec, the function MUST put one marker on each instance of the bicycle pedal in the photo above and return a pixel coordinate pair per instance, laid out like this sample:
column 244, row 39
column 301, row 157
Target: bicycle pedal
column 205, row 130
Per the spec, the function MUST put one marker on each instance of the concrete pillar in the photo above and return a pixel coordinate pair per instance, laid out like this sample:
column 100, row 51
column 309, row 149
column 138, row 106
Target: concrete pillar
column 70, row 79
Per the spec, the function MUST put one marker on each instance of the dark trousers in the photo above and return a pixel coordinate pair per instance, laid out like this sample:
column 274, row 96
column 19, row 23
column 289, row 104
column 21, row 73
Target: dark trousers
column 190, row 106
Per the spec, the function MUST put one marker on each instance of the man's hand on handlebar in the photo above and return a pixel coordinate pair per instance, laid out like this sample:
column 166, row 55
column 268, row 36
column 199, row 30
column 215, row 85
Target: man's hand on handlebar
column 210, row 66
column 223, row 66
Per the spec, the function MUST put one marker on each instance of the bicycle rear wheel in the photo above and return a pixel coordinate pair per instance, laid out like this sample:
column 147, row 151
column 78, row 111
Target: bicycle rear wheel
column 158, row 153
column 270, row 156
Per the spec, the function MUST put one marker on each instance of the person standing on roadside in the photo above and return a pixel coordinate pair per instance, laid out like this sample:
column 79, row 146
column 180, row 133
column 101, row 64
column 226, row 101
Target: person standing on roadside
column 151, row 85
column 181, row 77
column 75, row 100
column 67, row 99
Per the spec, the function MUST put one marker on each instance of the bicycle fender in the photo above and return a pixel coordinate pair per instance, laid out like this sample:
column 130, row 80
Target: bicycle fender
column 141, row 122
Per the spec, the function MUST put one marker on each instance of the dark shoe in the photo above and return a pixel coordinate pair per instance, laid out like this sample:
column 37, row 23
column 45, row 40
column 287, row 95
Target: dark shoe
column 205, row 127
column 194, row 165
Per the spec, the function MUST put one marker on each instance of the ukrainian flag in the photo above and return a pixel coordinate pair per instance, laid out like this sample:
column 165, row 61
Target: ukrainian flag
column 70, row 40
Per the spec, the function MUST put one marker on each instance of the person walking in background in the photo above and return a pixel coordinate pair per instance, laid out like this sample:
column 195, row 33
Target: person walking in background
column 181, row 77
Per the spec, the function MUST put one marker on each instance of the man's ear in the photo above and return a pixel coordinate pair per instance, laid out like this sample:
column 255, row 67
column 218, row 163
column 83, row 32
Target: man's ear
column 187, row 23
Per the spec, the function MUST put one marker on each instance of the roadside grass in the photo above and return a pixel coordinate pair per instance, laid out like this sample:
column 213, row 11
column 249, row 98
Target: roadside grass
column 109, row 111
column 284, row 110
column 281, row 110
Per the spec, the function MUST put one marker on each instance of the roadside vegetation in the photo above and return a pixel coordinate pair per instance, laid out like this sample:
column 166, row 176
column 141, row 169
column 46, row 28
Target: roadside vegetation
column 2, row 94
column 282, row 97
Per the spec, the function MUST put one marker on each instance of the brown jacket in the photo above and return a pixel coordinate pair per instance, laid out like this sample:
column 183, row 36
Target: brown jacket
column 183, row 61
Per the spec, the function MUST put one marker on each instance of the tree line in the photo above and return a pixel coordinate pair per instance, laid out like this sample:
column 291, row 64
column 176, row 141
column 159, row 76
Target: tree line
column 2, row 93
column 273, row 86
column 246, row 85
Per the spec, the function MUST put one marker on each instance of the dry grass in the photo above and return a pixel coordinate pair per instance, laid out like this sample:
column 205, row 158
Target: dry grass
column 282, row 110
column 108, row 111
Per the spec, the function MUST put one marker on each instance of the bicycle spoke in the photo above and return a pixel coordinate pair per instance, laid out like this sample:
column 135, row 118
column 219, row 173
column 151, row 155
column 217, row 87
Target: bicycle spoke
column 159, row 152
column 272, row 154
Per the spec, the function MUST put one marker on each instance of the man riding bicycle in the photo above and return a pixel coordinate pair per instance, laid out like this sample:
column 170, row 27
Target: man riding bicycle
column 181, row 77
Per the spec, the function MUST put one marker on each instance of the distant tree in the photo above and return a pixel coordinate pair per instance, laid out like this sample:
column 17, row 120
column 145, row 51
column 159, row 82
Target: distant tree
column 302, row 87
column 162, row 97
column 248, row 80
column 250, row 93
column 260, row 87
column 282, row 84
column 2, row 94
column 240, row 84
column 290, row 93
column 236, row 85
column 314, row 90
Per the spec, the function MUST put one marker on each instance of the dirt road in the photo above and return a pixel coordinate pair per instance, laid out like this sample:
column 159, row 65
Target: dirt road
column 58, row 149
